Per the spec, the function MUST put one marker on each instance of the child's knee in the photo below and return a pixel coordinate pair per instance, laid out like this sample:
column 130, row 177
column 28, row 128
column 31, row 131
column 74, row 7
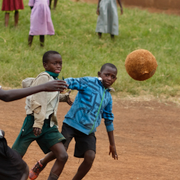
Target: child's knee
column 89, row 156
column 62, row 157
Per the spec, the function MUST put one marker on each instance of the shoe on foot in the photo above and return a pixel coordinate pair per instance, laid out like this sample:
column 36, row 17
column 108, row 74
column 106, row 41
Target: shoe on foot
column 34, row 172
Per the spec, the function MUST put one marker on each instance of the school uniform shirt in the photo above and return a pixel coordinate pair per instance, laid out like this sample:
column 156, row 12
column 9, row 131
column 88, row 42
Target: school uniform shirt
column 83, row 114
column 107, row 21
column 43, row 104
column 40, row 22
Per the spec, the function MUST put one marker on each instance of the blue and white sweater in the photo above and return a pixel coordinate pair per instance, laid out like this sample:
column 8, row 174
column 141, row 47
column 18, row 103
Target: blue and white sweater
column 83, row 112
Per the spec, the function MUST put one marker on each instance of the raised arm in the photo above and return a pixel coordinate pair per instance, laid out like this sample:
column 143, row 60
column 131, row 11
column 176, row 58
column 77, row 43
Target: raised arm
column 121, row 8
column 11, row 95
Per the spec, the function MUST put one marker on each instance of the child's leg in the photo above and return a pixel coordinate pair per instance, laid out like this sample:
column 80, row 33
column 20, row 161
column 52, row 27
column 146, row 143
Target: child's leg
column 30, row 39
column 112, row 36
column 85, row 165
column 55, row 4
column 50, row 3
column 41, row 38
column 61, row 155
column 16, row 18
column 99, row 34
column 6, row 19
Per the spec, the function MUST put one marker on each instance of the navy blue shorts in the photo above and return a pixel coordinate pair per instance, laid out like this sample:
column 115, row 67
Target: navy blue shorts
column 83, row 142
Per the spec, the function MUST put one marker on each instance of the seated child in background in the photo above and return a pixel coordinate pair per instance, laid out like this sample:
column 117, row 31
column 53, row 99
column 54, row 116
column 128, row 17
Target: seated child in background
column 12, row 167
column 40, row 22
column 92, row 103
column 12, row 6
column 40, row 123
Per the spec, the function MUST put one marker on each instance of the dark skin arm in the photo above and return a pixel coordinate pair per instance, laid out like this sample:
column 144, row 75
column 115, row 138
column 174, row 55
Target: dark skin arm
column 121, row 8
column 11, row 95
column 97, row 11
column 112, row 147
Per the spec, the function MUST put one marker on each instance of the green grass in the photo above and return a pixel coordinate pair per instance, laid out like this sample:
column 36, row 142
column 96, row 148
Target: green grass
column 83, row 53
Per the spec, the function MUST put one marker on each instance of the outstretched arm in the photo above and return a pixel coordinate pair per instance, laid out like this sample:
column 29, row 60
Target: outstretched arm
column 11, row 95
column 112, row 147
column 121, row 8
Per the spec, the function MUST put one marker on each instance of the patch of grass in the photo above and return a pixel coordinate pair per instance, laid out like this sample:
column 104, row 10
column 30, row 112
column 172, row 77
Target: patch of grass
column 83, row 53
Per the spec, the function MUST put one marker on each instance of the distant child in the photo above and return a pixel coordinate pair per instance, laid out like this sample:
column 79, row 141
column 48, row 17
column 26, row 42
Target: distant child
column 41, row 122
column 41, row 22
column 107, row 21
column 12, row 167
column 12, row 6
column 92, row 103
column 55, row 4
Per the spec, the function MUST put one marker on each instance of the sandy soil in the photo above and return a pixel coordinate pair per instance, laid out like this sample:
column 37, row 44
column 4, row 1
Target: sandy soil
column 146, row 134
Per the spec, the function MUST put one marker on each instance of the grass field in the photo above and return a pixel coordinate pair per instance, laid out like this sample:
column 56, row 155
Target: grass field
column 83, row 53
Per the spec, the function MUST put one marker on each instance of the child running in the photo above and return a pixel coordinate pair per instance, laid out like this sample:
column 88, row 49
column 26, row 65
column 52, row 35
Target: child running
column 107, row 21
column 55, row 4
column 12, row 167
column 12, row 6
column 41, row 22
column 41, row 123
column 92, row 103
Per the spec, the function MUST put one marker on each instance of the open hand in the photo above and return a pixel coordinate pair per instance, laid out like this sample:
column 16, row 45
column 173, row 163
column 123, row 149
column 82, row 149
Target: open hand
column 121, row 11
column 112, row 149
column 57, row 85
column 36, row 131
column 97, row 12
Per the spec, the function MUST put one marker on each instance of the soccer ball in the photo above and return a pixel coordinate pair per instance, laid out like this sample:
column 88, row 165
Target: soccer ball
column 141, row 64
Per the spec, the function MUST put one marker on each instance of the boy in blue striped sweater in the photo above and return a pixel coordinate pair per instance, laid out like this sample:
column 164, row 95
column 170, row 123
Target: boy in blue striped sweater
column 92, row 103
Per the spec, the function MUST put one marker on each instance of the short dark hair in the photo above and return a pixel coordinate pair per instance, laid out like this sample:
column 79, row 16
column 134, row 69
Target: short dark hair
column 108, row 64
column 46, row 55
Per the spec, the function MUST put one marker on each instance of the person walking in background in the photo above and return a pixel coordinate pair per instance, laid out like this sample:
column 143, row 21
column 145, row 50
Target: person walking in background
column 55, row 4
column 12, row 6
column 41, row 22
column 107, row 21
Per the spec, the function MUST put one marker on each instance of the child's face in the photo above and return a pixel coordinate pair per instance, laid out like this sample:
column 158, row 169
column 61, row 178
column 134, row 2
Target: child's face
column 108, row 76
column 54, row 64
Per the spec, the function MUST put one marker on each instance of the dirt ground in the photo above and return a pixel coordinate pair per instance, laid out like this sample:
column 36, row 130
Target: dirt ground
column 146, row 134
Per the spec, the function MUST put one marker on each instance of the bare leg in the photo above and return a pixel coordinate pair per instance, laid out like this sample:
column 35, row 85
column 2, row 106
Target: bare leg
column 6, row 19
column 30, row 39
column 26, row 173
column 55, row 4
column 112, row 36
column 16, row 18
column 85, row 165
column 49, row 157
column 99, row 34
column 41, row 38
column 61, row 155
column 50, row 3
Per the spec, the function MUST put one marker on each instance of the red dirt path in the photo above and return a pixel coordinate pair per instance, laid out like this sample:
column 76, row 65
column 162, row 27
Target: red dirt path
column 146, row 134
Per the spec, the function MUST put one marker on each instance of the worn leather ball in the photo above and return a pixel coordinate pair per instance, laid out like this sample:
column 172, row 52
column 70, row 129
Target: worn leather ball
column 141, row 64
